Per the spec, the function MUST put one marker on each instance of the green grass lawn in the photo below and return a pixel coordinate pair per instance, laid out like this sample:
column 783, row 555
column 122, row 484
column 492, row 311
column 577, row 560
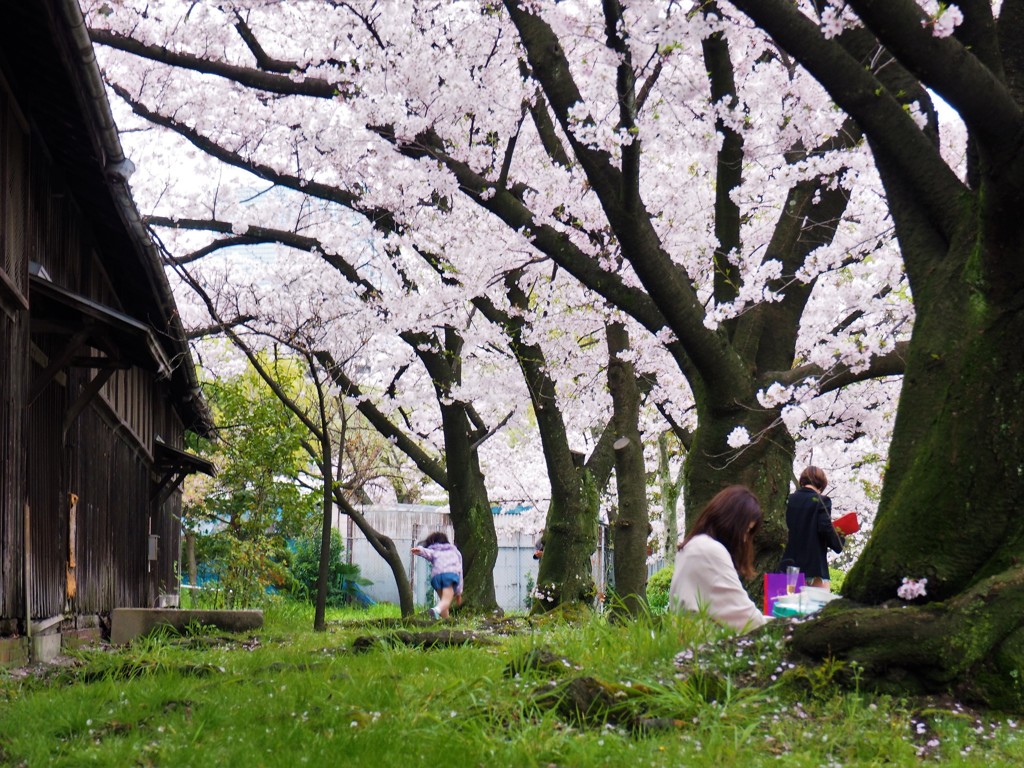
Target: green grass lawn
column 677, row 692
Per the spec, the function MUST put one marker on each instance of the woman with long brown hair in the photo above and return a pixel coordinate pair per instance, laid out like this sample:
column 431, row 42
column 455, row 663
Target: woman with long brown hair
column 718, row 550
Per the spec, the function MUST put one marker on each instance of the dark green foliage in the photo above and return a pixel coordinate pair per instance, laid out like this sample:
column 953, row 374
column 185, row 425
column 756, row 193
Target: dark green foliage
column 343, row 580
column 257, row 502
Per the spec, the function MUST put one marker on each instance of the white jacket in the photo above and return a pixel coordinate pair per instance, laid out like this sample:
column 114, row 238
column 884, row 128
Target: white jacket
column 705, row 576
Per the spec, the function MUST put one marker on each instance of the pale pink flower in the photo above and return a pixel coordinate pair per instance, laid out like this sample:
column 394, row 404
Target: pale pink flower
column 948, row 18
column 911, row 588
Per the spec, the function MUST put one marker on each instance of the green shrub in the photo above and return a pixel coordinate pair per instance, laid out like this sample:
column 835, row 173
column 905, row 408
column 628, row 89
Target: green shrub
column 343, row 580
column 836, row 577
column 657, row 589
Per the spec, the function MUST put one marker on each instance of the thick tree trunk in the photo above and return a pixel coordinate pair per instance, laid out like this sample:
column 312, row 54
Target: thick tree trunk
column 475, row 536
column 954, row 490
column 565, row 575
column 470, row 511
column 971, row 645
column 765, row 466
column 468, row 504
column 951, row 506
column 632, row 524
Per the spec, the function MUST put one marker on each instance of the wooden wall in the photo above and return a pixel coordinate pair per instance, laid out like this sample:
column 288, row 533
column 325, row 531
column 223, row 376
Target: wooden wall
column 90, row 484
column 13, row 349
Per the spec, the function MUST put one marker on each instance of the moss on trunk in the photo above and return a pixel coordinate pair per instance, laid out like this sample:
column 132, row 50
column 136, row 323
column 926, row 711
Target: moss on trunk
column 470, row 511
column 565, row 576
column 951, row 506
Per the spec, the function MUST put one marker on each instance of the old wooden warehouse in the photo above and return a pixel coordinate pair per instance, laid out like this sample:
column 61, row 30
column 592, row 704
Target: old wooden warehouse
column 97, row 387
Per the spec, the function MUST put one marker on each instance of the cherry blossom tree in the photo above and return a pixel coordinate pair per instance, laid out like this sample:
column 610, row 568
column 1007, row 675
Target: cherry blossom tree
column 287, row 357
column 950, row 506
column 308, row 319
column 676, row 164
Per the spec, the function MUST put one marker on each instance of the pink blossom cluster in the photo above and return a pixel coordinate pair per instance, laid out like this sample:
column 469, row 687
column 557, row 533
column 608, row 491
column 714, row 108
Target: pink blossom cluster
column 911, row 588
column 945, row 19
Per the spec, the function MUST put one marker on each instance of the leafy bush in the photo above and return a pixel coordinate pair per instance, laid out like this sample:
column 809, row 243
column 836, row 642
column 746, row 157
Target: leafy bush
column 236, row 572
column 657, row 589
column 836, row 577
column 343, row 580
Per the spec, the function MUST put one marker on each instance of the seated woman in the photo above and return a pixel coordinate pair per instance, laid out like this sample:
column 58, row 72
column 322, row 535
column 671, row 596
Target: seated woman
column 719, row 549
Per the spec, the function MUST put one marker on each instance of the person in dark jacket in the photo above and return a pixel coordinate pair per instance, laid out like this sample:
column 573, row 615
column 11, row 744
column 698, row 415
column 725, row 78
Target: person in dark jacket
column 811, row 534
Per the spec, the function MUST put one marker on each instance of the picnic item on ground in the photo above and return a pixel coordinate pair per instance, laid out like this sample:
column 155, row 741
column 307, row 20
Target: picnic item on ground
column 807, row 601
column 775, row 586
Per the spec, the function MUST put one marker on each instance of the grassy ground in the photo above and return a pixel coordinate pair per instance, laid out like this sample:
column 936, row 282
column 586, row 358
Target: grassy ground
column 671, row 692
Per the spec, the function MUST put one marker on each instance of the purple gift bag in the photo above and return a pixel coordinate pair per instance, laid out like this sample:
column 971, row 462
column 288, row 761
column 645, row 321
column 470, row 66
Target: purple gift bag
column 775, row 586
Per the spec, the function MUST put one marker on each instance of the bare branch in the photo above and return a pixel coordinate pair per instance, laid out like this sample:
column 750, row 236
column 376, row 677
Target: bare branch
column 271, row 82
column 263, row 60
column 890, row 364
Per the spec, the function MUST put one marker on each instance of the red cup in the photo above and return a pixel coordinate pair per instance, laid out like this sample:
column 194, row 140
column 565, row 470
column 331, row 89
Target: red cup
column 847, row 524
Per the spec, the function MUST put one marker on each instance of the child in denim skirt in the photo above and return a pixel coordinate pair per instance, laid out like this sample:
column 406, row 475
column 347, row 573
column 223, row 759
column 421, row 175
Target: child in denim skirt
column 445, row 571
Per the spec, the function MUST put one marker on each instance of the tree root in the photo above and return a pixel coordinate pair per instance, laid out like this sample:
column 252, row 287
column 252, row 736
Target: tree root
column 971, row 645
column 443, row 638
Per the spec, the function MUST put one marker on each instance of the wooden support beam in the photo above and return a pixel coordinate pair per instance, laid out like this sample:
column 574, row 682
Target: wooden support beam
column 88, row 393
column 75, row 343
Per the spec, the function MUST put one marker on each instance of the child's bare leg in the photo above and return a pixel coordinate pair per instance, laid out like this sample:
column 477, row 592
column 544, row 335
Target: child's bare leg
column 447, row 594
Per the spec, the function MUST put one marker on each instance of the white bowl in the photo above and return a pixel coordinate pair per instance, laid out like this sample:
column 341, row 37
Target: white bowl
column 818, row 594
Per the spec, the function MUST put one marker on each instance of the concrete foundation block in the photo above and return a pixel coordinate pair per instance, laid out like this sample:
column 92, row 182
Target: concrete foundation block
column 128, row 623
column 45, row 648
column 13, row 651
column 72, row 639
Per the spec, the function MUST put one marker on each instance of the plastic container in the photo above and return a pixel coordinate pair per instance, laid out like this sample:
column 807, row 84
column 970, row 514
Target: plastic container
column 847, row 524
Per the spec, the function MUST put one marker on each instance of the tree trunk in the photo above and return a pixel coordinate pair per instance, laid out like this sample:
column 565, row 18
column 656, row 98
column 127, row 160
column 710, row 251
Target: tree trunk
column 469, row 507
column 671, row 489
column 971, row 645
column 951, row 505
column 385, row 547
column 327, row 518
column 764, row 466
column 632, row 524
column 565, row 575
column 470, row 511
column 190, row 558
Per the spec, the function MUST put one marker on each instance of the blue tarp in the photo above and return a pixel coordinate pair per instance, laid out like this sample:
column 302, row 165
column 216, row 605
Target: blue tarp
column 518, row 509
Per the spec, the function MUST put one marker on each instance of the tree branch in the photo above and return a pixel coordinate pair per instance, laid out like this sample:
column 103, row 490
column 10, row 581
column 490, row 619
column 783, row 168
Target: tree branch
column 664, row 280
column 255, row 234
column 947, row 67
column 890, row 364
column 271, row 82
column 897, row 140
column 491, row 432
column 219, row 327
column 380, row 218
column 553, row 243
column 625, row 87
column 729, row 162
column 426, row 464
column 263, row 60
